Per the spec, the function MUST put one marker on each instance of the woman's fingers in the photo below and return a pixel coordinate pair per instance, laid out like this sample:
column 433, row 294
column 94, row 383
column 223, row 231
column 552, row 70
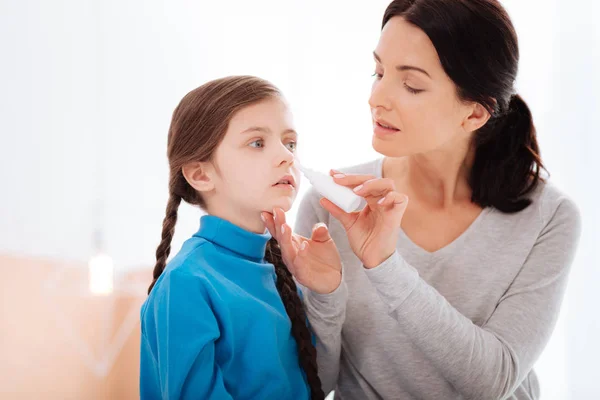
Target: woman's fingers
column 283, row 234
column 366, row 186
column 275, row 222
column 394, row 203
column 269, row 223
column 297, row 240
column 320, row 233
column 350, row 180
column 375, row 187
column 393, row 199
column 278, row 216
column 289, row 249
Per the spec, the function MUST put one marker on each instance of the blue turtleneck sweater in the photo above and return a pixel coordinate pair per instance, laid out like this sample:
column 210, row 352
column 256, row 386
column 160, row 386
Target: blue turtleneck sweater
column 214, row 325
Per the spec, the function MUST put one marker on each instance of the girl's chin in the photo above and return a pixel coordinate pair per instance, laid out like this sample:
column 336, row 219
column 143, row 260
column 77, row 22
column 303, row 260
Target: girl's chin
column 285, row 203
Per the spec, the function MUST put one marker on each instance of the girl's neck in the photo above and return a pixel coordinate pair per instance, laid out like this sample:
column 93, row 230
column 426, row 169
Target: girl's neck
column 248, row 221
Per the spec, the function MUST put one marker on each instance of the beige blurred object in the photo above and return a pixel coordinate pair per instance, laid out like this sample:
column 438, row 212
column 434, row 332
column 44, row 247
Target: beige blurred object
column 41, row 357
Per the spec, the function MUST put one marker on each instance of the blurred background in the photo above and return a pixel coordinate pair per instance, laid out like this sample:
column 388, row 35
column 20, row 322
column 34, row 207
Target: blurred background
column 86, row 96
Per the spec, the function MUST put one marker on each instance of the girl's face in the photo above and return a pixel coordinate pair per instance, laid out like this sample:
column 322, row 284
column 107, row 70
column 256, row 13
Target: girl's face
column 254, row 164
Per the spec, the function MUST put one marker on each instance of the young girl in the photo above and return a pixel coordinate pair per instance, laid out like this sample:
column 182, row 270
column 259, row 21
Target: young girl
column 214, row 325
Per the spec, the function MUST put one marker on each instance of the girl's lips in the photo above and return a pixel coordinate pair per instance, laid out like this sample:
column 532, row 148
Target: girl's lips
column 286, row 180
column 284, row 186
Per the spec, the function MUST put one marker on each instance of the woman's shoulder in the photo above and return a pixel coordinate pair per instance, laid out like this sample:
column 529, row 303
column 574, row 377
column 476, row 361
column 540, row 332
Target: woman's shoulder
column 551, row 210
column 551, row 202
column 372, row 167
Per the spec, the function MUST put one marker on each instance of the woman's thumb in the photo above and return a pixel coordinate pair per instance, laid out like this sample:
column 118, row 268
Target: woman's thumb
column 345, row 218
column 320, row 233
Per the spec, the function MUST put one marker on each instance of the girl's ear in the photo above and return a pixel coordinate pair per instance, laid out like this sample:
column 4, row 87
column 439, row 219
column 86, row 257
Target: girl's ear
column 199, row 175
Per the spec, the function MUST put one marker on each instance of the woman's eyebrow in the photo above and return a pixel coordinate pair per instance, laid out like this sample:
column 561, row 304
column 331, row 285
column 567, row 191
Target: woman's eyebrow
column 404, row 67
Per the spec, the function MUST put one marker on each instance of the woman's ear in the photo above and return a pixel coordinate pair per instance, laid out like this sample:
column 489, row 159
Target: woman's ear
column 477, row 117
column 199, row 175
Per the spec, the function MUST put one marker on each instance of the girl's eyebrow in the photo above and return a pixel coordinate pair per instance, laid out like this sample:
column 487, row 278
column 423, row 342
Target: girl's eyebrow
column 266, row 130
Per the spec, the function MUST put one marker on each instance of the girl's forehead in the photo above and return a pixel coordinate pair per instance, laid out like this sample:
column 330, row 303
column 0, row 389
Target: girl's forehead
column 267, row 116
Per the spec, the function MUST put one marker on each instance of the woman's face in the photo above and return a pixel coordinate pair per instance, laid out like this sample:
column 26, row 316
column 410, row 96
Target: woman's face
column 414, row 104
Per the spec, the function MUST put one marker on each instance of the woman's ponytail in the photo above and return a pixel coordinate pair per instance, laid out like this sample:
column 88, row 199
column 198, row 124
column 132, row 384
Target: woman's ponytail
column 507, row 160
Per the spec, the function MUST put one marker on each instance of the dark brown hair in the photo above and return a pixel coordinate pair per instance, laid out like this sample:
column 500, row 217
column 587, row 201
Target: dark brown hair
column 477, row 46
column 198, row 126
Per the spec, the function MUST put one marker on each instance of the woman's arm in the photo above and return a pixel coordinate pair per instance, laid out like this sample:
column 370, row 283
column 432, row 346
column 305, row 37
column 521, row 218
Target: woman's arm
column 183, row 349
column 326, row 312
column 489, row 361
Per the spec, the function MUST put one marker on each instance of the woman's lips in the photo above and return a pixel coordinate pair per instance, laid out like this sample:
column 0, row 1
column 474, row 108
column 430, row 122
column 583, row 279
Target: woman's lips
column 383, row 129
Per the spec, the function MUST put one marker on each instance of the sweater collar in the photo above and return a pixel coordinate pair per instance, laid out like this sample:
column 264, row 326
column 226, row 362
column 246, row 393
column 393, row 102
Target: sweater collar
column 233, row 237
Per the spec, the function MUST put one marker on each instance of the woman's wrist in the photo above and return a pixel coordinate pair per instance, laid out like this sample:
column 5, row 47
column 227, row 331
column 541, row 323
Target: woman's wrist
column 337, row 296
column 330, row 289
column 373, row 262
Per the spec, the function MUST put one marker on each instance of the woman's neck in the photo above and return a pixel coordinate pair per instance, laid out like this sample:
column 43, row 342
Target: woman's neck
column 439, row 178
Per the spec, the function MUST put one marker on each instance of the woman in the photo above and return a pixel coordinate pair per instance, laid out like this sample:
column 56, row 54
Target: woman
column 455, row 293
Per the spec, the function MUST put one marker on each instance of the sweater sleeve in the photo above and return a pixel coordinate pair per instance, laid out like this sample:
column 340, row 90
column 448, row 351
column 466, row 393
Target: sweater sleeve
column 489, row 361
column 326, row 312
column 184, row 352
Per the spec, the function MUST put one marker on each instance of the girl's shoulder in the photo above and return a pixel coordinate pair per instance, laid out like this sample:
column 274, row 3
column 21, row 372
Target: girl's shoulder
column 182, row 296
column 195, row 260
column 189, row 270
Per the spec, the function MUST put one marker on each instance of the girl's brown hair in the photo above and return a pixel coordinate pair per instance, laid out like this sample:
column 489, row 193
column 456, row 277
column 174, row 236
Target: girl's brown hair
column 198, row 126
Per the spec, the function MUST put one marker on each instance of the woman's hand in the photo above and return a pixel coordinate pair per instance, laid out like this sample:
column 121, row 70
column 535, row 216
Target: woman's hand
column 314, row 262
column 373, row 231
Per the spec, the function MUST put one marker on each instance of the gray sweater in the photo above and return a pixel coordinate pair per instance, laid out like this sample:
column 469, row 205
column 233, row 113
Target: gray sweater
column 465, row 322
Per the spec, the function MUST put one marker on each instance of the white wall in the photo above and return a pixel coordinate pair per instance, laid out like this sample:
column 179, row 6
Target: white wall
column 88, row 88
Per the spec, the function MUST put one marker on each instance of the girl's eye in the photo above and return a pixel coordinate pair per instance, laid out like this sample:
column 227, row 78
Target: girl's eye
column 292, row 146
column 378, row 76
column 262, row 143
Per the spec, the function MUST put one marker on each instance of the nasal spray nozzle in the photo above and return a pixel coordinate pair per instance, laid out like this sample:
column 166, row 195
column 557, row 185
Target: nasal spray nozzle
column 339, row 195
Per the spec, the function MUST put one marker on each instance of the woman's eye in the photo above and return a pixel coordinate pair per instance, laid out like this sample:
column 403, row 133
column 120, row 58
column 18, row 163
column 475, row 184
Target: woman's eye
column 260, row 141
column 377, row 75
column 412, row 90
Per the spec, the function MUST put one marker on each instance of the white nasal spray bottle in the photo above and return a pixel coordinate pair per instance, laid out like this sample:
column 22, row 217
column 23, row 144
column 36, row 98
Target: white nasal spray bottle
column 339, row 195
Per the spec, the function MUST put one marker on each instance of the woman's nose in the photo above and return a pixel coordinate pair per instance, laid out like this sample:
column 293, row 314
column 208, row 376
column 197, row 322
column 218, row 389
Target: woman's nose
column 379, row 96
